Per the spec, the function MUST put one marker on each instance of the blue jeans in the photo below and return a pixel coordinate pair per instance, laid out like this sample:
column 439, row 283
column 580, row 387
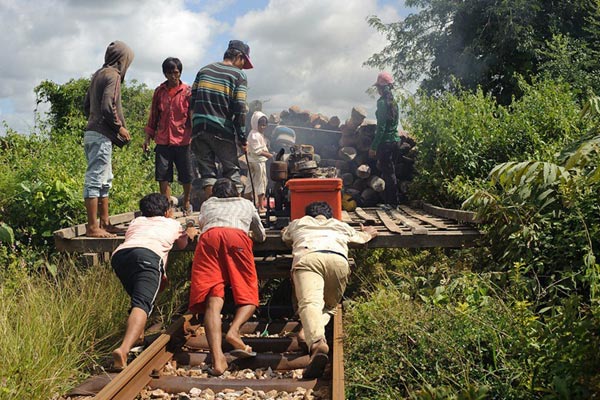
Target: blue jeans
column 98, row 176
column 207, row 147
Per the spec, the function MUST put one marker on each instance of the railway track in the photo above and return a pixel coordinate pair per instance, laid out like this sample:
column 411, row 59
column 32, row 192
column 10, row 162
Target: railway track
column 175, row 366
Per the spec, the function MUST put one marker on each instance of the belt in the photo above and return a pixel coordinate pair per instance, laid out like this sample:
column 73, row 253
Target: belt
column 332, row 252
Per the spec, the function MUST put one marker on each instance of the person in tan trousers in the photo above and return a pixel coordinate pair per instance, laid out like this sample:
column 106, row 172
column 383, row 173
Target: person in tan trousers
column 320, row 273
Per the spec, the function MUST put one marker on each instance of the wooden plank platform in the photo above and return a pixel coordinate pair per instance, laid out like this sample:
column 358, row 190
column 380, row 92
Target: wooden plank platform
column 405, row 227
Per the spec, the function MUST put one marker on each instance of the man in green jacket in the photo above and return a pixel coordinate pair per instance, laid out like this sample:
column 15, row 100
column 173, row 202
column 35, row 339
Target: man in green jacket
column 385, row 143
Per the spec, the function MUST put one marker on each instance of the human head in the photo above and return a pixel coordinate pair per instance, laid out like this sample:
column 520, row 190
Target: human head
column 256, row 119
column 384, row 79
column 319, row 208
column 172, row 69
column 170, row 64
column 154, row 205
column 263, row 122
column 224, row 187
column 118, row 55
column 238, row 51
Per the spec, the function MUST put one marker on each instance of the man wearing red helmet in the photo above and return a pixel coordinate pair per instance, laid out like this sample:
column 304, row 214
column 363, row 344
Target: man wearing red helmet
column 385, row 143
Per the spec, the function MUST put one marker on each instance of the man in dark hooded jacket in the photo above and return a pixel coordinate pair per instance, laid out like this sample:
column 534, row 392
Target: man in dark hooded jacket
column 105, row 127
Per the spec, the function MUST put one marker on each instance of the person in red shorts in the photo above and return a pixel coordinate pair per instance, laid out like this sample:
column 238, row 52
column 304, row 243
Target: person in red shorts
column 224, row 257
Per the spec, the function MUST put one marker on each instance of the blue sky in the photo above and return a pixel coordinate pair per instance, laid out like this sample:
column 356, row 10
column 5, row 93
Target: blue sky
column 307, row 53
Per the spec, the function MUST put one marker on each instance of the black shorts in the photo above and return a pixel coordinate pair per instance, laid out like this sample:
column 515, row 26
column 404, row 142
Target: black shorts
column 140, row 271
column 166, row 156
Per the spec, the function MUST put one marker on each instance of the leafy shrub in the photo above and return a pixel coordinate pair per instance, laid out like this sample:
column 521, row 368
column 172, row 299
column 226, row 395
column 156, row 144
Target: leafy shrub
column 463, row 136
column 41, row 174
column 543, row 221
column 462, row 337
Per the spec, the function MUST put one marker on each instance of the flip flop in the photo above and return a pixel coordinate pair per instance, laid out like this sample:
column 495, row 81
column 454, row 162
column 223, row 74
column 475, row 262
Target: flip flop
column 115, row 230
column 243, row 353
column 214, row 372
column 113, row 369
column 316, row 367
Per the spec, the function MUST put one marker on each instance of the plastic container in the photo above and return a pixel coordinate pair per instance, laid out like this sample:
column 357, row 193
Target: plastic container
column 304, row 191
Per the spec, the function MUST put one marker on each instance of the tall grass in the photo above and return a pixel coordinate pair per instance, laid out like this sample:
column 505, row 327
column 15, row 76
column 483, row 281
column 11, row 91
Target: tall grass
column 428, row 327
column 53, row 329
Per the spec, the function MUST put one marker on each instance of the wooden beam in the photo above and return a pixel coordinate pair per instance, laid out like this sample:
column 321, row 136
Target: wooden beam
column 274, row 245
column 389, row 224
column 414, row 214
column 79, row 230
column 363, row 214
column 458, row 215
column 415, row 228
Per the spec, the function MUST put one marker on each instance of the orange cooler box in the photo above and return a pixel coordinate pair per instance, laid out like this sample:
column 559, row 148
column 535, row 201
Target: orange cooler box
column 304, row 191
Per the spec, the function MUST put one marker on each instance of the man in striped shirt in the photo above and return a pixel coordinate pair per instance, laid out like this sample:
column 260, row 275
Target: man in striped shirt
column 218, row 105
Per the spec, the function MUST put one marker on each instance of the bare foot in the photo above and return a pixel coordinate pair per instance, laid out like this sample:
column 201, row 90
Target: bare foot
column 113, row 229
column 236, row 341
column 97, row 232
column 219, row 365
column 119, row 359
column 320, row 346
column 139, row 341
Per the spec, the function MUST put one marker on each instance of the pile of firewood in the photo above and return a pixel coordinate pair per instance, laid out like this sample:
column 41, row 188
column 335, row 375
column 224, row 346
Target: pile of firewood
column 345, row 146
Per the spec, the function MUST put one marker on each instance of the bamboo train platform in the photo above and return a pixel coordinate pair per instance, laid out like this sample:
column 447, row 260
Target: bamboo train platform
column 415, row 226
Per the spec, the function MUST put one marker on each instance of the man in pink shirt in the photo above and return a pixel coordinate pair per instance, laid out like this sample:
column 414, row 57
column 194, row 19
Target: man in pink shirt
column 170, row 128
column 140, row 264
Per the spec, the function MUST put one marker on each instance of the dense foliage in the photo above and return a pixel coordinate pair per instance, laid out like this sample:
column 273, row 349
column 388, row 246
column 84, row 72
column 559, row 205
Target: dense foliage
column 488, row 44
column 463, row 136
column 518, row 318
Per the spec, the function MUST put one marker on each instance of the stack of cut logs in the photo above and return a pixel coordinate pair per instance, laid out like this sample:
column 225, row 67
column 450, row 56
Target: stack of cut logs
column 346, row 147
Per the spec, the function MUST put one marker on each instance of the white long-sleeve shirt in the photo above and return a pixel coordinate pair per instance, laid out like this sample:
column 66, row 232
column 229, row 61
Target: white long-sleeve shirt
column 309, row 234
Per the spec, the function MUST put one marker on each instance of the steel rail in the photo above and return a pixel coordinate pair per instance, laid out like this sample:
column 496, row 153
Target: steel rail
column 144, row 371
column 129, row 382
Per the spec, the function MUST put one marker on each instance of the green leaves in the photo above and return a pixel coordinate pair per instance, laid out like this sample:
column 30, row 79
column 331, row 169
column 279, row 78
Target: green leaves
column 489, row 44
column 42, row 173
column 7, row 235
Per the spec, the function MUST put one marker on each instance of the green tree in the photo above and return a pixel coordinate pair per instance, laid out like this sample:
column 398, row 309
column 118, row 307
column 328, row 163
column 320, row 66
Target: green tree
column 483, row 43
column 40, row 197
column 66, row 105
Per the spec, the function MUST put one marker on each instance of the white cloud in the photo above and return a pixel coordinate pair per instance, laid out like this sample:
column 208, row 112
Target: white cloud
column 310, row 54
column 59, row 40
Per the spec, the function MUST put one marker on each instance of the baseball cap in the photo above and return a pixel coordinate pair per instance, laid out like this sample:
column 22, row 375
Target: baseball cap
column 383, row 79
column 244, row 49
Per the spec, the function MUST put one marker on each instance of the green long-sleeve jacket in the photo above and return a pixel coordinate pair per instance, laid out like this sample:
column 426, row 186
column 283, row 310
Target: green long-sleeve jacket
column 387, row 129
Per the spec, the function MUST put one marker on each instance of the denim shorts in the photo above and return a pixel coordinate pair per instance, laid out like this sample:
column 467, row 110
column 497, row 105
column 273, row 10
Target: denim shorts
column 98, row 176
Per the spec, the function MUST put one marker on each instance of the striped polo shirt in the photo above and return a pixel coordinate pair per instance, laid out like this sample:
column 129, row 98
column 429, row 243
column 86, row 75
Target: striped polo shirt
column 219, row 101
